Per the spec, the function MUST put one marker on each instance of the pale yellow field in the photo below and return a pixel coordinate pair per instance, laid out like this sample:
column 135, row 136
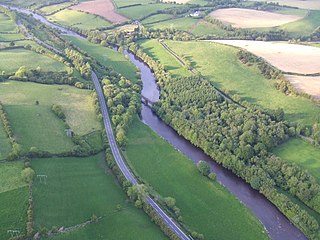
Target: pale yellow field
column 292, row 58
column 248, row 18
column 310, row 85
column 306, row 4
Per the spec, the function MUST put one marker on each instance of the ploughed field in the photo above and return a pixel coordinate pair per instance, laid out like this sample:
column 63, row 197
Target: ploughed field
column 248, row 18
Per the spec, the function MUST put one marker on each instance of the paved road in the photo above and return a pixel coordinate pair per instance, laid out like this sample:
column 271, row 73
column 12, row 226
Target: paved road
column 123, row 167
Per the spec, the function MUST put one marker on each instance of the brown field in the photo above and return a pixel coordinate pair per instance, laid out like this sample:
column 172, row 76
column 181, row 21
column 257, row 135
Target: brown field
column 309, row 85
column 291, row 58
column 305, row 4
column 103, row 8
column 248, row 18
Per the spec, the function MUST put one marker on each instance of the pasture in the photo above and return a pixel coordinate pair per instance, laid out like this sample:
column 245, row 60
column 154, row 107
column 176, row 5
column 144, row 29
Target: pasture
column 127, row 3
column 13, row 198
column 11, row 37
column 206, row 206
column 15, row 58
column 103, row 8
column 6, row 24
column 107, row 57
column 154, row 49
column 220, row 64
column 292, row 58
column 309, row 85
column 302, row 153
column 305, row 4
column 86, row 187
column 249, row 18
column 35, row 125
column 48, row 10
column 78, row 19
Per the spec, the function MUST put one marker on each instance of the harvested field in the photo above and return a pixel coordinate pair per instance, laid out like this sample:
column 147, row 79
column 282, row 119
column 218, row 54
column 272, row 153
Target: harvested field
column 103, row 8
column 309, row 85
column 248, row 18
column 305, row 4
column 292, row 58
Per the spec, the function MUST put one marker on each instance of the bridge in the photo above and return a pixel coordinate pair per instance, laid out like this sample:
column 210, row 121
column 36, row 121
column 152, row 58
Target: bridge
column 146, row 101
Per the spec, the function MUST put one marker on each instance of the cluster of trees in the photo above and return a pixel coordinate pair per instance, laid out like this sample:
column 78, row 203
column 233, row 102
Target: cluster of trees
column 239, row 139
column 15, row 152
column 80, row 62
column 123, row 100
column 57, row 110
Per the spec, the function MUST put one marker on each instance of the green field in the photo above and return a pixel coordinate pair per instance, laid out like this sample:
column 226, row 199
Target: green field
column 107, row 57
column 79, row 19
column 124, row 3
column 5, row 145
column 206, row 206
column 11, row 37
column 184, row 24
column 48, row 10
column 139, row 12
column 154, row 50
column 36, row 125
column 13, row 198
column 305, row 26
column 15, row 58
column 156, row 18
column 302, row 153
column 86, row 186
column 220, row 64
column 6, row 24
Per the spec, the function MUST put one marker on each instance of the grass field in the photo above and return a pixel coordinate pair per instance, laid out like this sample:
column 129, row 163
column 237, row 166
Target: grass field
column 78, row 19
column 15, row 58
column 139, row 12
column 87, row 187
column 184, row 23
column 301, row 152
column 11, row 37
column 13, row 198
column 48, row 10
column 156, row 18
column 220, row 64
column 5, row 145
column 107, row 57
column 36, row 125
column 6, row 24
column 205, row 206
column 306, row 4
column 125, row 3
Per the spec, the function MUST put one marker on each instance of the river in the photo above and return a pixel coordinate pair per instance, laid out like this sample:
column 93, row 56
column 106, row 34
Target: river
column 276, row 224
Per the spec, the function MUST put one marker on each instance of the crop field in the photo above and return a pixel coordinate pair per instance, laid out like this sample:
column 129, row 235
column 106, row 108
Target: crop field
column 107, row 57
column 248, row 18
column 103, row 8
column 48, row 10
column 86, row 187
column 79, row 19
column 36, row 125
column 301, row 152
column 13, row 198
column 6, row 24
column 154, row 49
column 210, row 209
column 305, row 4
column 142, row 11
column 5, row 145
column 220, row 64
column 15, row 58
column 309, row 85
column 286, row 57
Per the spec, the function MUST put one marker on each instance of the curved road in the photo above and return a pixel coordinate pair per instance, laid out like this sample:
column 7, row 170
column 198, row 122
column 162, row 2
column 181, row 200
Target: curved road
column 123, row 167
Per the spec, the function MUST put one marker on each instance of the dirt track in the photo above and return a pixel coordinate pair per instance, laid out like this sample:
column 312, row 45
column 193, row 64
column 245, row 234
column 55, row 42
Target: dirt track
column 103, row 8
column 248, row 18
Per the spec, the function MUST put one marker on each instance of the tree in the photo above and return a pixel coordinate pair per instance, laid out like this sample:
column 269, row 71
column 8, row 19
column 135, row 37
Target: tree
column 12, row 44
column 28, row 174
column 212, row 176
column 203, row 168
column 170, row 202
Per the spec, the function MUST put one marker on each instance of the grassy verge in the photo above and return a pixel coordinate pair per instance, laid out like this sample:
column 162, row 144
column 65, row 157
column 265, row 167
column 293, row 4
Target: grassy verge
column 205, row 206
column 86, row 187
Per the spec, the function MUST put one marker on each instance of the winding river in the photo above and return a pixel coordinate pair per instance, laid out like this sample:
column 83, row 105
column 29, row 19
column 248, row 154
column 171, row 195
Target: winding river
column 276, row 224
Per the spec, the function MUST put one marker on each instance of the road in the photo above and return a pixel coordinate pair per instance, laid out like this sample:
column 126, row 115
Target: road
column 122, row 165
